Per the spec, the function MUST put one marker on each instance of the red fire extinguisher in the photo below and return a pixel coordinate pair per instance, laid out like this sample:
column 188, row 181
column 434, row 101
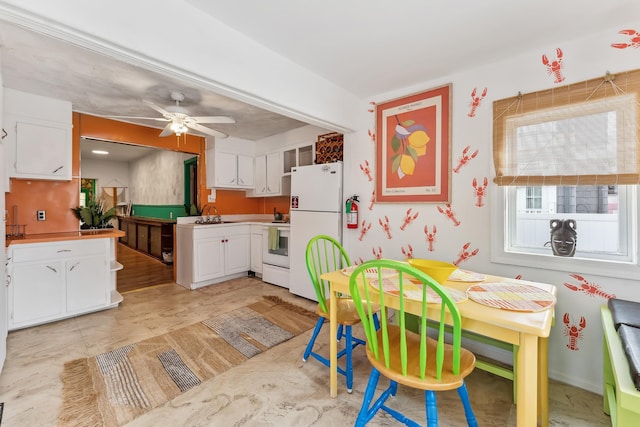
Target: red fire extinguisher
column 352, row 212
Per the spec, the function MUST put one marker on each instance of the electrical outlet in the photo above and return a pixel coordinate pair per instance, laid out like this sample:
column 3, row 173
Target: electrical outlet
column 41, row 215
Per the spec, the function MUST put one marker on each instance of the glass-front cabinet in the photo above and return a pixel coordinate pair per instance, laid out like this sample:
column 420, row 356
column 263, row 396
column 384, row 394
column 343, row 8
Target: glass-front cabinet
column 297, row 156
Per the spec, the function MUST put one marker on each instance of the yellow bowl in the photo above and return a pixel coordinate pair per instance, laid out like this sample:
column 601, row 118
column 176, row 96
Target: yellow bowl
column 438, row 270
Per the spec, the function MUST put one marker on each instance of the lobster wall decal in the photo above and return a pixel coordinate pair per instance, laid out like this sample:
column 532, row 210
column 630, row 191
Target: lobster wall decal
column 554, row 67
column 572, row 331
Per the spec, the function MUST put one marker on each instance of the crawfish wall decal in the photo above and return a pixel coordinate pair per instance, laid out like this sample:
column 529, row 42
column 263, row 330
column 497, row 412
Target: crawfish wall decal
column 366, row 169
column 430, row 236
column 475, row 101
column 464, row 158
column 408, row 218
column 385, row 226
column 366, row 226
column 464, row 253
column 634, row 40
column 372, row 200
column 408, row 253
column 573, row 332
column 588, row 288
column 480, row 191
column 377, row 253
column 554, row 68
column 449, row 213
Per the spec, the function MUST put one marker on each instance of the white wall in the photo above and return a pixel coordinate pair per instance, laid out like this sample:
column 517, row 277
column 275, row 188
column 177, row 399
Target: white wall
column 107, row 173
column 158, row 179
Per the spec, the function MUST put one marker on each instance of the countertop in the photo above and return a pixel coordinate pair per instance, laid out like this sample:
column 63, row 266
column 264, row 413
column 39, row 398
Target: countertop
column 147, row 219
column 70, row 235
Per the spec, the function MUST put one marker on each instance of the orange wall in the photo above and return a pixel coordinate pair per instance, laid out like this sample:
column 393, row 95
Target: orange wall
column 58, row 197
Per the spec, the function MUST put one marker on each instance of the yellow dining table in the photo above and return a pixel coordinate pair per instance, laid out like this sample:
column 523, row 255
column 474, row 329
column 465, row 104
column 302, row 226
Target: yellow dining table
column 528, row 330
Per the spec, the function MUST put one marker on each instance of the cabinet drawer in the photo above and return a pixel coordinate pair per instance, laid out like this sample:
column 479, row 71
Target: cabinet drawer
column 219, row 230
column 58, row 250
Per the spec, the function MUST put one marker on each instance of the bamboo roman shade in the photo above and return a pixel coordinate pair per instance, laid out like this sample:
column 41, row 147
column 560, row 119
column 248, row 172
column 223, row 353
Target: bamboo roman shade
column 581, row 134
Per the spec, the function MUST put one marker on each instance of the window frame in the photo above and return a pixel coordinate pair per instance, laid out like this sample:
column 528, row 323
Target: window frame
column 605, row 267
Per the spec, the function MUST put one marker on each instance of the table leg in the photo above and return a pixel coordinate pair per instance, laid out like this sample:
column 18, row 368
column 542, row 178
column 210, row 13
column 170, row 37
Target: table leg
column 333, row 344
column 543, row 381
column 527, row 381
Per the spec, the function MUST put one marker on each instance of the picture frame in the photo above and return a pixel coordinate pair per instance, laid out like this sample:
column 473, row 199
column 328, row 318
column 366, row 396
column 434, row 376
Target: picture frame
column 413, row 148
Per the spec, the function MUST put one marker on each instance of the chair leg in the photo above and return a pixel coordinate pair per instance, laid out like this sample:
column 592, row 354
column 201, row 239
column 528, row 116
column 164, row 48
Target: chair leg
column 312, row 341
column 468, row 412
column 349, row 364
column 339, row 334
column 432, row 408
column 365, row 413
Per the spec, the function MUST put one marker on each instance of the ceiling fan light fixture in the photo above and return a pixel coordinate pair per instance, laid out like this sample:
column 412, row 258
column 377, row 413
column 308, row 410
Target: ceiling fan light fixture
column 178, row 128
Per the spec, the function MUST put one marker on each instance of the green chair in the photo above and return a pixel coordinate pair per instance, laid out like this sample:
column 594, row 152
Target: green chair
column 404, row 357
column 325, row 254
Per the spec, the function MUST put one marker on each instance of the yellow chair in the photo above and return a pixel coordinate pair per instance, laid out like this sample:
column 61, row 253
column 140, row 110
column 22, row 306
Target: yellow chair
column 325, row 254
column 412, row 359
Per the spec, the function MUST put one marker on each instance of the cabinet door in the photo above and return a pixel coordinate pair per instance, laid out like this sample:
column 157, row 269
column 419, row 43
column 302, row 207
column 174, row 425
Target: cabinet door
column 155, row 240
column 36, row 292
column 87, row 283
column 208, row 256
column 132, row 234
column 43, row 151
column 238, row 253
column 261, row 175
column 226, row 169
column 245, row 171
column 143, row 237
column 274, row 175
column 256, row 252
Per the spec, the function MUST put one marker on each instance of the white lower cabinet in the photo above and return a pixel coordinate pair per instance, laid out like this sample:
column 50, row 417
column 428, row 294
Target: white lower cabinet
column 256, row 249
column 51, row 281
column 209, row 254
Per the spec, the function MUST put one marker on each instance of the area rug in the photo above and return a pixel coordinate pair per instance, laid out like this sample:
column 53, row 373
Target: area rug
column 113, row 388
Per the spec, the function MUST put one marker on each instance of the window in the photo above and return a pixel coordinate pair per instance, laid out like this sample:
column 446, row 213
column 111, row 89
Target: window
column 569, row 153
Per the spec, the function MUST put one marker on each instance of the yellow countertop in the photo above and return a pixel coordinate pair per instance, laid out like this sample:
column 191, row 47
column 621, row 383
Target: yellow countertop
column 70, row 235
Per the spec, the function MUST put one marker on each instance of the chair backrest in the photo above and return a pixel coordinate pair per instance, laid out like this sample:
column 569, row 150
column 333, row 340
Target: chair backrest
column 407, row 292
column 324, row 254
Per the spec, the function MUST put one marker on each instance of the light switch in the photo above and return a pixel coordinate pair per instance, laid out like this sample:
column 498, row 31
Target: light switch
column 42, row 215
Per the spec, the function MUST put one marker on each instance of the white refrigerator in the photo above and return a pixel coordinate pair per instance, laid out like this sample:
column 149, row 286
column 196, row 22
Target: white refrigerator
column 316, row 208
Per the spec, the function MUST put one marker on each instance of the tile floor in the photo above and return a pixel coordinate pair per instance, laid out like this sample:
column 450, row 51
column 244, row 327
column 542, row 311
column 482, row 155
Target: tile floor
column 273, row 388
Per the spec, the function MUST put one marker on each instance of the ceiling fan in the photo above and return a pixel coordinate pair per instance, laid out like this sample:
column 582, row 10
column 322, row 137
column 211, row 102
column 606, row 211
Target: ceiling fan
column 179, row 120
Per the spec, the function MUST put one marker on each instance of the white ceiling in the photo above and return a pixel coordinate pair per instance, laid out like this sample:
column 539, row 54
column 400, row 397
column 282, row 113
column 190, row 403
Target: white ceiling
column 367, row 47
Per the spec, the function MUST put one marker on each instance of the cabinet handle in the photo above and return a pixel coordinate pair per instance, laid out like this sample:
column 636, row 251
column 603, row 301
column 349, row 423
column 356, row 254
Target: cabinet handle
column 64, row 250
column 74, row 266
column 8, row 280
column 57, row 169
column 52, row 269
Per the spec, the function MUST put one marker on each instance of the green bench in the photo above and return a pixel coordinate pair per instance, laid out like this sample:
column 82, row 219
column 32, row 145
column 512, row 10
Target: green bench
column 621, row 398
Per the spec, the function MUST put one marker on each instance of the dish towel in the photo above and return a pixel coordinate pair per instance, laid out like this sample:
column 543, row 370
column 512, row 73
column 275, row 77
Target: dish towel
column 274, row 238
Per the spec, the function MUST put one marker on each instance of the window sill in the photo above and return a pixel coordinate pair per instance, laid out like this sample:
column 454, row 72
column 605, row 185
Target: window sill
column 606, row 268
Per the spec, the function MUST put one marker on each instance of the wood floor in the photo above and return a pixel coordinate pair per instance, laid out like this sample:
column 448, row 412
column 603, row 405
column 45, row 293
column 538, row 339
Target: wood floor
column 140, row 271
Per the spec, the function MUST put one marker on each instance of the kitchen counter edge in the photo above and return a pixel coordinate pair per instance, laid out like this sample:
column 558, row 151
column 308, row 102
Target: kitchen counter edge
column 70, row 235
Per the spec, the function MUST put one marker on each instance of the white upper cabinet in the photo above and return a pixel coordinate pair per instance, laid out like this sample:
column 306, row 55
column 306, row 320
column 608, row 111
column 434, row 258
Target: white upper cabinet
column 233, row 170
column 39, row 136
column 230, row 167
column 297, row 156
column 268, row 175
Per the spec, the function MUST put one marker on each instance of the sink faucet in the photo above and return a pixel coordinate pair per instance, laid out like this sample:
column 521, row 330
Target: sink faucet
column 205, row 210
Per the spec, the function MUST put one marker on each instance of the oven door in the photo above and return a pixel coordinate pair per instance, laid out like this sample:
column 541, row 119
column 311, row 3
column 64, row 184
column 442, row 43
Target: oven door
column 277, row 254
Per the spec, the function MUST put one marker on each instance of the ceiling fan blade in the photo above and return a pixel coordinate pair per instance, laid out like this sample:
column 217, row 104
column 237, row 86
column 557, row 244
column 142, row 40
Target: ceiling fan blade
column 167, row 130
column 214, row 119
column 158, row 109
column 206, row 130
column 160, row 119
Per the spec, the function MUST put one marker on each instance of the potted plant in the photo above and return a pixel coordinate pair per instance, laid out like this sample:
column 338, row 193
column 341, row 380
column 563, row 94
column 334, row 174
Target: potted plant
column 94, row 215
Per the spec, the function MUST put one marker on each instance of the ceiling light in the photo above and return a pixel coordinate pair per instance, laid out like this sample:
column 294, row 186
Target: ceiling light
column 99, row 152
column 179, row 128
